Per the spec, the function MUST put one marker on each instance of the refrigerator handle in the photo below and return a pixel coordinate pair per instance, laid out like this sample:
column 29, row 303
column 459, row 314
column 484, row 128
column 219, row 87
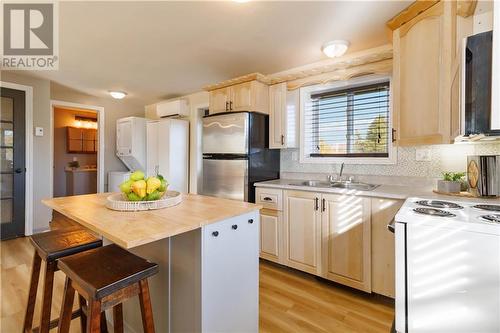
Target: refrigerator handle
column 390, row 226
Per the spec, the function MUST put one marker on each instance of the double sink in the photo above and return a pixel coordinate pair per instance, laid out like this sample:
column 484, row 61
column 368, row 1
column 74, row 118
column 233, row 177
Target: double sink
column 350, row 185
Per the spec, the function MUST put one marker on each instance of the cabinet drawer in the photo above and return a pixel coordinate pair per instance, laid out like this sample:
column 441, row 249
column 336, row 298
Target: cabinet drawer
column 269, row 198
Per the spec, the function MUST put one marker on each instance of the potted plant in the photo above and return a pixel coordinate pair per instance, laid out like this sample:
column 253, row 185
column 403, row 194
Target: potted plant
column 451, row 182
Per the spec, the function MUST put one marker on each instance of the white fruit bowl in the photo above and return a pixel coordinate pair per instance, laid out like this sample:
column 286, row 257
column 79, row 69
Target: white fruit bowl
column 117, row 201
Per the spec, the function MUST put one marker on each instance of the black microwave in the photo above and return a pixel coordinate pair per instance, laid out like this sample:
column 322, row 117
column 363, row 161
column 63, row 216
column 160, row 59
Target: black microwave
column 478, row 77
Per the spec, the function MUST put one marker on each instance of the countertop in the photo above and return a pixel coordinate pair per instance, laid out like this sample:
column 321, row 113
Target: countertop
column 382, row 191
column 80, row 169
column 131, row 229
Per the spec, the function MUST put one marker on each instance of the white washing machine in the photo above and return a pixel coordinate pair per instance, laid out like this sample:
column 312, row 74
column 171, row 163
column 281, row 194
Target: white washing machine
column 115, row 178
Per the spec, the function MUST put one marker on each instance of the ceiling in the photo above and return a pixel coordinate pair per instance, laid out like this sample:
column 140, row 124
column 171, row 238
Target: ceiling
column 158, row 50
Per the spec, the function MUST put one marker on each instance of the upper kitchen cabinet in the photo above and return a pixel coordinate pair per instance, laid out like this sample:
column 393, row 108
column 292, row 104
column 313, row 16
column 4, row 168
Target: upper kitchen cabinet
column 283, row 112
column 424, row 52
column 81, row 140
column 247, row 93
column 219, row 100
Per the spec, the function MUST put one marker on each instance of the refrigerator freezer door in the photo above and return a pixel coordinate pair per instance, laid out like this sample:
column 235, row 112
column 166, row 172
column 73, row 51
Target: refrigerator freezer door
column 225, row 178
column 226, row 134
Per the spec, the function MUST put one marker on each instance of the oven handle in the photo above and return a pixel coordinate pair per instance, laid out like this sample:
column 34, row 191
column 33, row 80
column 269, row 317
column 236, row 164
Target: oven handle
column 390, row 226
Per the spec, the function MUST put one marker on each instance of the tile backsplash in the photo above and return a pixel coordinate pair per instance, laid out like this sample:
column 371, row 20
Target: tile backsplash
column 442, row 158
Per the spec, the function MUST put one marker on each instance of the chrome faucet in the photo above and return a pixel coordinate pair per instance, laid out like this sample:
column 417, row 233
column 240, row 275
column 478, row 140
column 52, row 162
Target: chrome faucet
column 334, row 179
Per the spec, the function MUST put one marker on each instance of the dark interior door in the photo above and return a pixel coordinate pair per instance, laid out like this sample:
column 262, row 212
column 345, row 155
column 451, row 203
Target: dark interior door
column 12, row 153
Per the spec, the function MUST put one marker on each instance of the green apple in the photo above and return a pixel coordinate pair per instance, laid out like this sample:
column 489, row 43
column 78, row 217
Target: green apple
column 133, row 197
column 125, row 186
column 163, row 185
column 137, row 175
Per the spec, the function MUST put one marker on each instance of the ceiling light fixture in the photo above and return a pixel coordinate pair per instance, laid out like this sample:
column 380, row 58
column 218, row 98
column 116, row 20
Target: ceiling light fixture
column 241, row 1
column 335, row 48
column 117, row 94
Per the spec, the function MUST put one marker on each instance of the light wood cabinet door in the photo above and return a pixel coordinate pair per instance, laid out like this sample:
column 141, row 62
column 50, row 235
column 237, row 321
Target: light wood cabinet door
column 219, row 100
column 303, row 231
column 283, row 116
column 270, row 235
column 277, row 115
column 241, row 97
column 423, row 51
column 346, row 240
column 383, row 255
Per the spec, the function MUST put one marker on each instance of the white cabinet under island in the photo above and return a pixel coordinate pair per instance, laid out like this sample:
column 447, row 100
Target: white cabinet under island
column 208, row 252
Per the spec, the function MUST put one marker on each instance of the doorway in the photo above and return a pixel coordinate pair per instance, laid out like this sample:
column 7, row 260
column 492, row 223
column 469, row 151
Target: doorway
column 75, row 151
column 99, row 138
column 13, row 163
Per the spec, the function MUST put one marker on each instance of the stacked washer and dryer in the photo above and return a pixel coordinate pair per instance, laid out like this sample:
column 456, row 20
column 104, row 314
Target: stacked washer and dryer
column 154, row 147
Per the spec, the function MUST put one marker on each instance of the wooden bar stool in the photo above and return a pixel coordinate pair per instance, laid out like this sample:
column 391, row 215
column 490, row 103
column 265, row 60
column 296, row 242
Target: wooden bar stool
column 49, row 247
column 105, row 277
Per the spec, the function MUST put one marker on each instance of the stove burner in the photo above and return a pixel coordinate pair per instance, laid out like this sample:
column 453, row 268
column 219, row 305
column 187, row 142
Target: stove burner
column 439, row 204
column 495, row 218
column 433, row 212
column 491, row 208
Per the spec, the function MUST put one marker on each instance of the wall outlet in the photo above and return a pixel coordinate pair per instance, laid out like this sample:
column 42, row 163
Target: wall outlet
column 295, row 156
column 38, row 131
column 423, row 155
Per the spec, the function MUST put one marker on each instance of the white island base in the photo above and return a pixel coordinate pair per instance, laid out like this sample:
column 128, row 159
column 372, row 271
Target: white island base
column 208, row 279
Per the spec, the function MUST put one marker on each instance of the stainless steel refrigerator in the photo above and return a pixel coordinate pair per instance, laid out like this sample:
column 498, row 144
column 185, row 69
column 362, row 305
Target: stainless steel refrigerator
column 236, row 154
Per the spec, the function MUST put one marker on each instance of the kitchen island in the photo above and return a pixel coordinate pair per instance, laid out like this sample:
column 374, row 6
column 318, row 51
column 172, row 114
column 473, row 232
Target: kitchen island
column 207, row 249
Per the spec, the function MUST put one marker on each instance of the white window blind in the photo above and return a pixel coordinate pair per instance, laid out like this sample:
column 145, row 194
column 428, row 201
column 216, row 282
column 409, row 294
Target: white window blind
column 351, row 122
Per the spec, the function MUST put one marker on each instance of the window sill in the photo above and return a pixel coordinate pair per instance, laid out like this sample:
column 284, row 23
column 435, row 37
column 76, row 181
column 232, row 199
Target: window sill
column 392, row 159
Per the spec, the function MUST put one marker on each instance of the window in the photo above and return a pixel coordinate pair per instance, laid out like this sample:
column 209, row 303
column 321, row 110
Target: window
column 348, row 122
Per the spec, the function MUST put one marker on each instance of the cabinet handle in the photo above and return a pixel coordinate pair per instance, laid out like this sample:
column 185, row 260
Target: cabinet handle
column 316, row 204
column 267, row 199
column 215, row 233
column 227, row 106
column 231, row 106
column 250, row 221
column 234, row 226
column 282, row 139
column 323, row 205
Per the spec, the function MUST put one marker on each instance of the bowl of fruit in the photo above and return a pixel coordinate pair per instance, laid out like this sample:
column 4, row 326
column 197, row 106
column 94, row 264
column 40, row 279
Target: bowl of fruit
column 143, row 193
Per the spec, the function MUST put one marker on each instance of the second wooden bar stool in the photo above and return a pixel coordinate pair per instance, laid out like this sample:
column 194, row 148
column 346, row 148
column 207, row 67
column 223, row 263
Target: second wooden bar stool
column 106, row 277
column 49, row 247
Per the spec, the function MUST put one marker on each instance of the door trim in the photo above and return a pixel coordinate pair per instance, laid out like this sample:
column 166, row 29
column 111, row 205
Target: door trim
column 100, row 131
column 28, row 193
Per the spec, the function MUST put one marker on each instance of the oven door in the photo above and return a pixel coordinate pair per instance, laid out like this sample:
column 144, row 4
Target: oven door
column 401, row 278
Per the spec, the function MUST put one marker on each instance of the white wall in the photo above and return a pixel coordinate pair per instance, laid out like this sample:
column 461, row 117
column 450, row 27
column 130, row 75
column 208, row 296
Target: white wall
column 196, row 102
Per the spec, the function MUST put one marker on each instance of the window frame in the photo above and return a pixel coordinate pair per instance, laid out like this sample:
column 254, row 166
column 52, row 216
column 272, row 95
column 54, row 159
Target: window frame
column 305, row 96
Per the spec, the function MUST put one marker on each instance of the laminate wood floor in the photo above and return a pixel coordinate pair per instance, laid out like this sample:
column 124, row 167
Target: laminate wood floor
column 290, row 301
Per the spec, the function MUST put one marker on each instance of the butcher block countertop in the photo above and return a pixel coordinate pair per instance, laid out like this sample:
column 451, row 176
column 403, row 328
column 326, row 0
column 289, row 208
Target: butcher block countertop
column 131, row 229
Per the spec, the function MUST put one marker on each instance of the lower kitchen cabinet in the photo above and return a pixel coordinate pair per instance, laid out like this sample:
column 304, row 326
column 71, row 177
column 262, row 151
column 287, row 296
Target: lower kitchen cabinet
column 346, row 240
column 302, row 236
column 383, row 271
column 271, row 226
column 343, row 238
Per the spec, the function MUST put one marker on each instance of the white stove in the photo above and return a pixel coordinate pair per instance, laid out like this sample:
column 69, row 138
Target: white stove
column 447, row 266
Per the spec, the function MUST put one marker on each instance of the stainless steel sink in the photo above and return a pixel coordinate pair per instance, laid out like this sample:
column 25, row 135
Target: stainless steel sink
column 354, row 186
column 312, row 183
column 346, row 185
